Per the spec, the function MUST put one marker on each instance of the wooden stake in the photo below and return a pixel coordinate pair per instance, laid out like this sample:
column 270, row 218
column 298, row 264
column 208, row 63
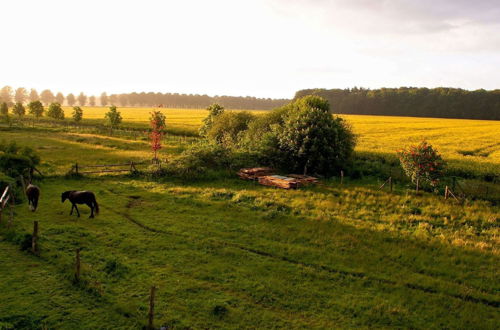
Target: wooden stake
column 417, row 185
column 446, row 192
column 76, row 168
column 34, row 238
column 151, row 308
column 77, row 266
column 390, row 182
column 11, row 218
column 341, row 177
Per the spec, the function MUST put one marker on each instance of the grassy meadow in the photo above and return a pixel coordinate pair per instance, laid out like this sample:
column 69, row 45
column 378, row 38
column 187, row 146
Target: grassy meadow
column 227, row 253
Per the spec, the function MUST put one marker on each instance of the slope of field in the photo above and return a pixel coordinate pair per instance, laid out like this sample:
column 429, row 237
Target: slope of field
column 232, row 254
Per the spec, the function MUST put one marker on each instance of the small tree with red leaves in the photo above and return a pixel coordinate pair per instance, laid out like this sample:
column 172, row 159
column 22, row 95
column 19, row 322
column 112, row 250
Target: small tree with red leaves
column 422, row 164
column 157, row 122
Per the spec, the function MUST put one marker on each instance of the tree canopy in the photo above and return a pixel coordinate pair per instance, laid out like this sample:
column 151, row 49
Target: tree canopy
column 410, row 101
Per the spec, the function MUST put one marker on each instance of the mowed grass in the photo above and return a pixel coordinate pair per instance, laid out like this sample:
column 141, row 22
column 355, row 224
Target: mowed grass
column 470, row 146
column 232, row 254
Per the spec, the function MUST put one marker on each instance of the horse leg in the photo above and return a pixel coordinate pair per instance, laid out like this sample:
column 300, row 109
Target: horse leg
column 72, row 207
column 78, row 212
column 91, row 210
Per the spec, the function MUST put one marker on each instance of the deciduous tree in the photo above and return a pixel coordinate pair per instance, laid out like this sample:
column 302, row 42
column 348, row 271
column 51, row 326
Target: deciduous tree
column 71, row 99
column 157, row 122
column 113, row 117
column 55, row 111
column 18, row 109
column 21, row 95
column 35, row 108
column 6, row 95
column 59, row 98
column 104, row 99
column 92, row 101
column 34, row 95
column 46, row 96
column 82, row 99
column 77, row 114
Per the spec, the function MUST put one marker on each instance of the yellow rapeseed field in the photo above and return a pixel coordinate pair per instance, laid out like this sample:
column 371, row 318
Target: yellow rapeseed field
column 467, row 143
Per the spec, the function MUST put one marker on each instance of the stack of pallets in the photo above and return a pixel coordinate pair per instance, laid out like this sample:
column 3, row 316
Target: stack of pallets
column 304, row 180
column 279, row 181
column 254, row 173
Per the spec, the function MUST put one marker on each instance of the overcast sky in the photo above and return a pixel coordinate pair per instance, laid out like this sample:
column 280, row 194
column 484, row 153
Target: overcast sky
column 241, row 47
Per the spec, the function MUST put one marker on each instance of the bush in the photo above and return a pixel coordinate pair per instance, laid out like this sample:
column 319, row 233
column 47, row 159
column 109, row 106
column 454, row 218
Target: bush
column 213, row 111
column 226, row 127
column 423, row 164
column 312, row 140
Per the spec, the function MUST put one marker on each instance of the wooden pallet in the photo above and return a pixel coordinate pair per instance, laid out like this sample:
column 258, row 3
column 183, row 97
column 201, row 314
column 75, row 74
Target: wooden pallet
column 254, row 173
column 279, row 181
column 304, row 180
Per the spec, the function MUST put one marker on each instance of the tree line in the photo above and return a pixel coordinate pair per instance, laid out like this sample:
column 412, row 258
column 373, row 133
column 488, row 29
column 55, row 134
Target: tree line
column 21, row 95
column 414, row 102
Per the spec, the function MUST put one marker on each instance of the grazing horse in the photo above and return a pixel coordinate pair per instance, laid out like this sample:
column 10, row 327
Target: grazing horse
column 81, row 197
column 33, row 193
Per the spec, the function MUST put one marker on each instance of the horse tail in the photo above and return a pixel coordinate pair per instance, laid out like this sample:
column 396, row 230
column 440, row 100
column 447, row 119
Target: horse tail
column 96, row 206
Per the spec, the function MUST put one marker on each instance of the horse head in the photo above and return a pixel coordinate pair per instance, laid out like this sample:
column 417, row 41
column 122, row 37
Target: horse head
column 64, row 196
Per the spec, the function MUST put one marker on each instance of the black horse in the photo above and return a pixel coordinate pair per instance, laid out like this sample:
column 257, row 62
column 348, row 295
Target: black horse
column 81, row 197
column 33, row 193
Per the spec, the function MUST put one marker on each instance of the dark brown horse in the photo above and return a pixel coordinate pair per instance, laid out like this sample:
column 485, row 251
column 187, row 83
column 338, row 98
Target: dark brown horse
column 33, row 193
column 81, row 197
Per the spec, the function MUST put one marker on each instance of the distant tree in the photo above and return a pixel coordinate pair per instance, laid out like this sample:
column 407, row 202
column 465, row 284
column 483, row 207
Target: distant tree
column 71, row 99
column 4, row 109
column 82, row 99
column 35, row 108
column 21, row 95
column 422, row 164
column 213, row 111
column 46, row 96
column 92, row 101
column 77, row 114
column 114, row 117
column 104, row 99
column 157, row 122
column 55, row 111
column 18, row 109
column 6, row 95
column 59, row 98
column 113, row 99
column 33, row 95
column 123, row 98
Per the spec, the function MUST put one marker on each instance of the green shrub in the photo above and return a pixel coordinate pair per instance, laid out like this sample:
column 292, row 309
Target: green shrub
column 311, row 140
column 422, row 164
column 226, row 127
column 214, row 111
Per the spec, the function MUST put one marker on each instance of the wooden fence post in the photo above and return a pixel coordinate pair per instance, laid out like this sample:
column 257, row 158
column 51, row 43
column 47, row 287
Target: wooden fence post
column 34, row 238
column 390, row 182
column 151, row 312
column 417, row 185
column 446, row 192
column 11, row 218
column 341, row 177
column 76, row 168
column 77, row 265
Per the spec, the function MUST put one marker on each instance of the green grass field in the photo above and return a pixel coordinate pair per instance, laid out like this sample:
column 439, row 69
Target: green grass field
column 226, row 253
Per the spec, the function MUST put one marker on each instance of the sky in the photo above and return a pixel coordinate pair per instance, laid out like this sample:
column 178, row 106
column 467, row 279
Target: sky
column 240, row 47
